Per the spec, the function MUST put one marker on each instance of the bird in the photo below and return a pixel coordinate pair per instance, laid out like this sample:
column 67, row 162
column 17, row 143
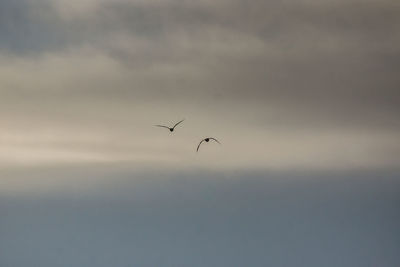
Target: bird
column 169, row 128
column 207, row 140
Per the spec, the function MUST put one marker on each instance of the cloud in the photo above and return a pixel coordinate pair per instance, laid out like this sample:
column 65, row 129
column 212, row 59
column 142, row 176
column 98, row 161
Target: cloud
column 262, row 75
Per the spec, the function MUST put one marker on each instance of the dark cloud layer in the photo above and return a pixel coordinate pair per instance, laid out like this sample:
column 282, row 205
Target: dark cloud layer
column 345, row 53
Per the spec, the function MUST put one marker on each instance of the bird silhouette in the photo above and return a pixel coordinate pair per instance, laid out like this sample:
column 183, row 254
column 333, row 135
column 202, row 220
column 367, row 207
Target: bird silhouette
column 207, row 140
column 169, row 128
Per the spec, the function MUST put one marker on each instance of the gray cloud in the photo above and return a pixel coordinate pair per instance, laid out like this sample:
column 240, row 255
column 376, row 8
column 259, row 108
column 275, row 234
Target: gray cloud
column 305, row 67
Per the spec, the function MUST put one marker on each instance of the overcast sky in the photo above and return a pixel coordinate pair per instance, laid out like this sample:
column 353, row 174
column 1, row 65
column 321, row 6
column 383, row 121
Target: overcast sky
column 283, row 84
column 303, row 95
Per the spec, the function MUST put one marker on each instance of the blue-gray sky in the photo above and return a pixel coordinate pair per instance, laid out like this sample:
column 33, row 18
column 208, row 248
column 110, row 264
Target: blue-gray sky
column 120, row 217
column 302, row 94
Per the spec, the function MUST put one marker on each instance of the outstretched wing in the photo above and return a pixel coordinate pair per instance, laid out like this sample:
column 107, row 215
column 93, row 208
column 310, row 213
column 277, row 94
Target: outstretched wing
column 162, row 126
column 199, row 145
column 215, row 140
column 177, row 123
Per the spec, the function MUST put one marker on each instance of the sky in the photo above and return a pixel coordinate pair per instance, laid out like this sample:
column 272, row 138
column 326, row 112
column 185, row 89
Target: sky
column 302, row 92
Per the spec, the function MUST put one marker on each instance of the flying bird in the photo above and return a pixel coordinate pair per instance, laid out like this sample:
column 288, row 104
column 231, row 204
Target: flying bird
column 207, row 140
column 169, row 128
